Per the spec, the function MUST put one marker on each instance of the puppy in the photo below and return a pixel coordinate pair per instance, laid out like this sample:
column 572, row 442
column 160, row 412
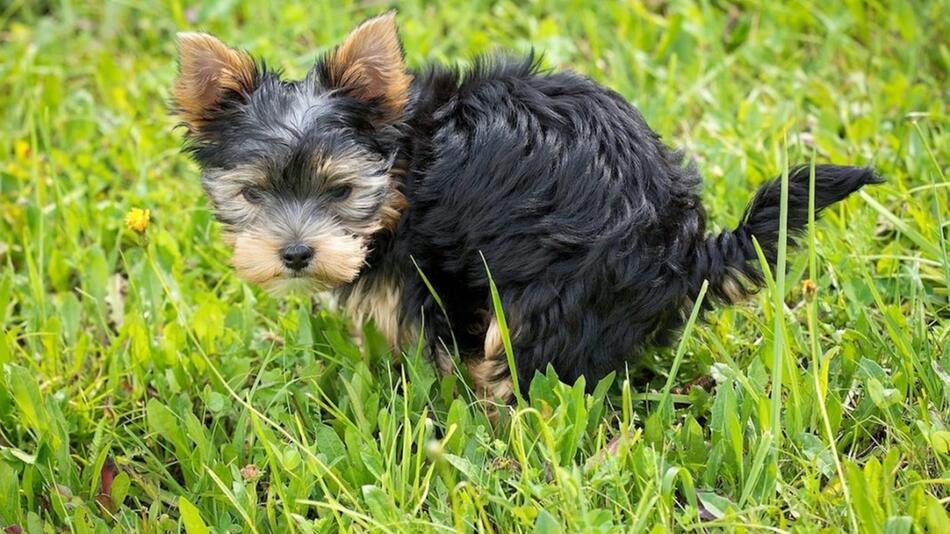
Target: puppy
column 372, row 180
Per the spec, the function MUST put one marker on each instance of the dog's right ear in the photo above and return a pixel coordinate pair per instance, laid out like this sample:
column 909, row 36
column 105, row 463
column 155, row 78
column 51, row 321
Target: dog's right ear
column 210, row 76
column 369, row 66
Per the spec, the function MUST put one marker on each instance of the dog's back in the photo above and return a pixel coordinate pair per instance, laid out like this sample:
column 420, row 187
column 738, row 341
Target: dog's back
column 584, row 217
column 592, row 228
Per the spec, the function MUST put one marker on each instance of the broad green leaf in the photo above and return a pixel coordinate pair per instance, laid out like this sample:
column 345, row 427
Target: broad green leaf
column 120, row 488
column 381, row 506
column 465, row 466
column 191, row 517
column 9, row 495
column 940, row 441
column 26, row 395
column 546, row 524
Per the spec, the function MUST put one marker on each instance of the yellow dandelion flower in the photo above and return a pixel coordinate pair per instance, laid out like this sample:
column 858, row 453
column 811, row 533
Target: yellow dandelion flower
column 809, row 288
column 137, row 219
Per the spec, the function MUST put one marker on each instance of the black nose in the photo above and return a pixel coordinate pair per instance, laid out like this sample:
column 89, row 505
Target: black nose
column 296, row 256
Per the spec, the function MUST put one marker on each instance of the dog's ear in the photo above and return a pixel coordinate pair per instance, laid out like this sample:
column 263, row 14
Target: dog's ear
column 210, row 75
column 369, row 66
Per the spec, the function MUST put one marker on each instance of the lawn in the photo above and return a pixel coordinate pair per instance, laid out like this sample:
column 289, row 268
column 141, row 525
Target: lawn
column 143, row 387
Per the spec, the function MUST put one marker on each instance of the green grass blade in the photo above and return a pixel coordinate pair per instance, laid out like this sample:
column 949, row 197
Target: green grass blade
column 505, row 335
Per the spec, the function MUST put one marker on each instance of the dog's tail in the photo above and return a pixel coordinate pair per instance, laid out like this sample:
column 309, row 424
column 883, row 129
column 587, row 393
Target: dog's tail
column 729, row 260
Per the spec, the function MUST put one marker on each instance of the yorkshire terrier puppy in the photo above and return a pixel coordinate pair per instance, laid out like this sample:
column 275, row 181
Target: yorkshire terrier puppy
column 366, row 173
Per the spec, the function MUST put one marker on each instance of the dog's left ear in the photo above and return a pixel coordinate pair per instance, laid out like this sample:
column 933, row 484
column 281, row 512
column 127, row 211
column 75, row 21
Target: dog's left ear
column 369, row 66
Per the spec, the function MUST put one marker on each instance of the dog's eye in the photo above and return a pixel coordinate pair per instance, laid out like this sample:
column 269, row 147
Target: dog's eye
column 252, row 195
column 339, row 192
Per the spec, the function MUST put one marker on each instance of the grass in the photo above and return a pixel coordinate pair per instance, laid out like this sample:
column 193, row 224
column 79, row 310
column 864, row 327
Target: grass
column 144, row 388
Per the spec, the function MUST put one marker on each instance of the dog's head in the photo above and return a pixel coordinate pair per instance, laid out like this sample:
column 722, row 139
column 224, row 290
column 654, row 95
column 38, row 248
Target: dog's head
column 299, row 172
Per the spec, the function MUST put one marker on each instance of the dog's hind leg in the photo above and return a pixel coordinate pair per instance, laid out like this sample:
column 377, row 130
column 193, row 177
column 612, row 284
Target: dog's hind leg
column 579, row 329
column 490, row 373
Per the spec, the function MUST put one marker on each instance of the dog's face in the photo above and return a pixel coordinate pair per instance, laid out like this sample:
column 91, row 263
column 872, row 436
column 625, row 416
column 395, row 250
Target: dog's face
column 299, row 172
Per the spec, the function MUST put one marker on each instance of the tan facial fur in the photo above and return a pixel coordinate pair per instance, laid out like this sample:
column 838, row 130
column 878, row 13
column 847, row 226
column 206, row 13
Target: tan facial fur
column 395, row 203
column 256, row 257
column 337, row 260
column 224, row 190
column 338, row 254
column 365, row 176
column 339, row 232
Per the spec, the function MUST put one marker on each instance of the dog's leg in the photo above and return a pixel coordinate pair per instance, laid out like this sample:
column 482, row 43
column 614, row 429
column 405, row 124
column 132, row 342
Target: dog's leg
column 492, row 380
column 490, row 373
column 573, row 327
column 442, row 357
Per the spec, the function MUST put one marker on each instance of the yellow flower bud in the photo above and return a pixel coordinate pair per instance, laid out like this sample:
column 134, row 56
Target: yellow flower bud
column 137, row 220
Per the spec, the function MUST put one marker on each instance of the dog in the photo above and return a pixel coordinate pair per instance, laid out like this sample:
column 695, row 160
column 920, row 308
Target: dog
column 375, row 182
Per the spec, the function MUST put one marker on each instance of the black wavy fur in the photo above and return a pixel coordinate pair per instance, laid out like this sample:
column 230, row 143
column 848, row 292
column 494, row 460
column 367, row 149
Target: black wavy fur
column 594, row 229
